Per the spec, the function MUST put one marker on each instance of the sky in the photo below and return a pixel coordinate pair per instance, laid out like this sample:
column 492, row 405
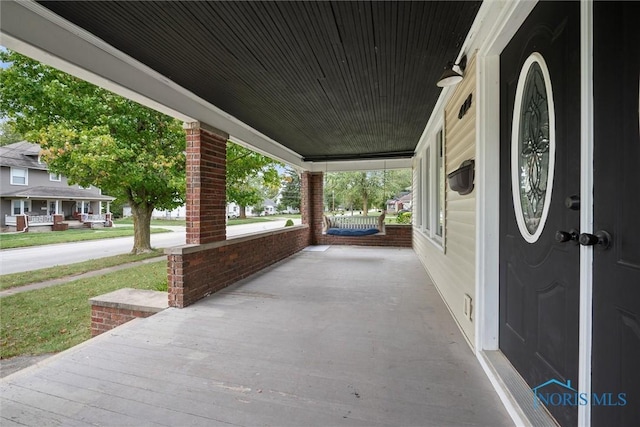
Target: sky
column 3, row 64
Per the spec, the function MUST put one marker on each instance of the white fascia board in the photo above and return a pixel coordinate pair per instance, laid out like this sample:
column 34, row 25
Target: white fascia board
column 359, row 165
column 33, row 30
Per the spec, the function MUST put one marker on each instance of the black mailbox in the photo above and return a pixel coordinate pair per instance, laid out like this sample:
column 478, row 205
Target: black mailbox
column 461, row 179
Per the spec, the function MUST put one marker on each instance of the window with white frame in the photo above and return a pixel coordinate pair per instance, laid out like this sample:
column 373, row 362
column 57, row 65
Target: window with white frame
column 54, row 177
column 19, row 207
column 418, row 219
column 440, row 187
column 432, row 190
column 19, row 176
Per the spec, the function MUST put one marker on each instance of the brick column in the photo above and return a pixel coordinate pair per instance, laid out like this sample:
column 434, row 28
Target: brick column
column 22, row 223
column 58, row 225
column 206, row 183
column 312, row 203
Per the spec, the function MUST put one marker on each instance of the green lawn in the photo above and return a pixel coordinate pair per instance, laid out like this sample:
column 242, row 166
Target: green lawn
column 18, row 240
column 18, row 279
column 59, row 317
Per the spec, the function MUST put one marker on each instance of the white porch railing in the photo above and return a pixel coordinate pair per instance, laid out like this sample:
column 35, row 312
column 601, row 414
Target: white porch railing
column 354, row 222
column 40, row 220
column 32, row 220
column 94, row 218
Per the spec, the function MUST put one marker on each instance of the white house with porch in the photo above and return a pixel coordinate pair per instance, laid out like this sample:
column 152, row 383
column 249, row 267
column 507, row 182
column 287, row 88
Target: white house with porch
column 29, row 190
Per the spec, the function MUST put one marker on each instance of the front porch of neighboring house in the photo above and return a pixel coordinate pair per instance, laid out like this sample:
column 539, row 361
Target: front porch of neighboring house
column 57, row 214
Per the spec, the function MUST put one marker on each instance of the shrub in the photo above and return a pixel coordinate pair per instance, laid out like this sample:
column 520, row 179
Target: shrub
column 404, row 218
column 162, row 286
column 289, row 223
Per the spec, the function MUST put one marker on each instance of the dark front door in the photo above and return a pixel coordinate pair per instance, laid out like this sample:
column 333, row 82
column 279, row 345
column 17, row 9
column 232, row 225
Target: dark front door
column 616, row 271
column 539, row 185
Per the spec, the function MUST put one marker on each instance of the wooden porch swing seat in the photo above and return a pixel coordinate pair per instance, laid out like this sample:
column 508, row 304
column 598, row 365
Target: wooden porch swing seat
column 354, row 226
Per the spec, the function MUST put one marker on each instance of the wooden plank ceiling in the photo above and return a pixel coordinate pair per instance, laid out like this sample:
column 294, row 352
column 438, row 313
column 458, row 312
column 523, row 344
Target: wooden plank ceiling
column 329, row 80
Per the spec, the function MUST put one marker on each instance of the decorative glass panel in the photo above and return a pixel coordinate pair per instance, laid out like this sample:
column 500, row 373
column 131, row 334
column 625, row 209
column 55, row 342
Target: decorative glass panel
column 533, row 148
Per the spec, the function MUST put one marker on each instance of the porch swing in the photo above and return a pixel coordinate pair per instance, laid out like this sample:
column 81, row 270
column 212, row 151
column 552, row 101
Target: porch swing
column 356, row 226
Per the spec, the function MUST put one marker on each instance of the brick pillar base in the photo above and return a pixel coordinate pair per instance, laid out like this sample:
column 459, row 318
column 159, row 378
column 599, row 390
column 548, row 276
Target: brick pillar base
column 58, row 225
column 22, row 223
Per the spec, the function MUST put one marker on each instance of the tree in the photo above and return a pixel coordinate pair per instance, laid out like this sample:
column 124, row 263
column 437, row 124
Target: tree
column 8, row 135
column 365, row 189
column 290, row 190
column 250, row 177
column 95, row 137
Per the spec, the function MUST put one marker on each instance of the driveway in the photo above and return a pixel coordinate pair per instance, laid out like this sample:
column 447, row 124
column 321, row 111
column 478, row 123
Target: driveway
column 26, row 259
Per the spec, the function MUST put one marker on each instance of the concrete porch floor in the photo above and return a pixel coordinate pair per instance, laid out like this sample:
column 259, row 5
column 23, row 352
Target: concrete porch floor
column 350, row 336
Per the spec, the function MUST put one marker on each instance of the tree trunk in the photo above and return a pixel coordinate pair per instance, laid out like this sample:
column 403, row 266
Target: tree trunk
column 141, row 227
column 243, row 212
column 365, row 205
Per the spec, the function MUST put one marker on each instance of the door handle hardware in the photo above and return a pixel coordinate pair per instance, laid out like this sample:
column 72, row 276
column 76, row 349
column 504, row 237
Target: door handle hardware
column 601, row 239
column 567, row 236
column 572, row 202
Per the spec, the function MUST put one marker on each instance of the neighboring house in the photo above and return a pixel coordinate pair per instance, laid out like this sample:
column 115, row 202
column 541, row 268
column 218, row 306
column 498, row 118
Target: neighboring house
column 28, row 188
column 269, row 207
column 178, row 213
column 287, row 209
column 233, row 211
column 404, row 201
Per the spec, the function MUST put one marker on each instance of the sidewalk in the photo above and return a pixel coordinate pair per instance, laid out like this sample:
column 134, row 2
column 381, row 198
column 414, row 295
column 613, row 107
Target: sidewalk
column 36, row 257
column 67, row 279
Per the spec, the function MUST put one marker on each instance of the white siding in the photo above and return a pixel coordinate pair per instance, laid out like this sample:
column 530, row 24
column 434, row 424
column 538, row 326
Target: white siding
column 453, row 270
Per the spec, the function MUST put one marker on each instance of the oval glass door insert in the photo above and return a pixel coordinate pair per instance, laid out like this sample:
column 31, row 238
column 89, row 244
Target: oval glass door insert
column 532, row 147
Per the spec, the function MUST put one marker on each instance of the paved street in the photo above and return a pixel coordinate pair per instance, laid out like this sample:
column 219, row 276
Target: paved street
column 25, row 259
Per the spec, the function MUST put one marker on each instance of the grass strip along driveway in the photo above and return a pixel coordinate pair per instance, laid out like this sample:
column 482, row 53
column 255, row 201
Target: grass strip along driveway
column 21, row 240
column 8, row 281
column 56, row 318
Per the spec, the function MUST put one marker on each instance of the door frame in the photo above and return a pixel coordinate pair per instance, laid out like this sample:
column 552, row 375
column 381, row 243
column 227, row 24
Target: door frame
column 507, row 21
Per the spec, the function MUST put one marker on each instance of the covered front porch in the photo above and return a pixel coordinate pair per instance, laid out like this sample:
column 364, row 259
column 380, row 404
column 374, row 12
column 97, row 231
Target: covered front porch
column 334, row 335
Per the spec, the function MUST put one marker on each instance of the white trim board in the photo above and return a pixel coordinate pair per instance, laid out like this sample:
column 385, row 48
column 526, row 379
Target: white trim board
column 586, row 203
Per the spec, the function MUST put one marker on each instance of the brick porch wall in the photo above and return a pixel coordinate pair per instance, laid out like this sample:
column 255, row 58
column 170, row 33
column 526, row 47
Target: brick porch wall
column 209, row 262
column 104, row 319
column 198, row 271
column 116, row 308
column 395, row 235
